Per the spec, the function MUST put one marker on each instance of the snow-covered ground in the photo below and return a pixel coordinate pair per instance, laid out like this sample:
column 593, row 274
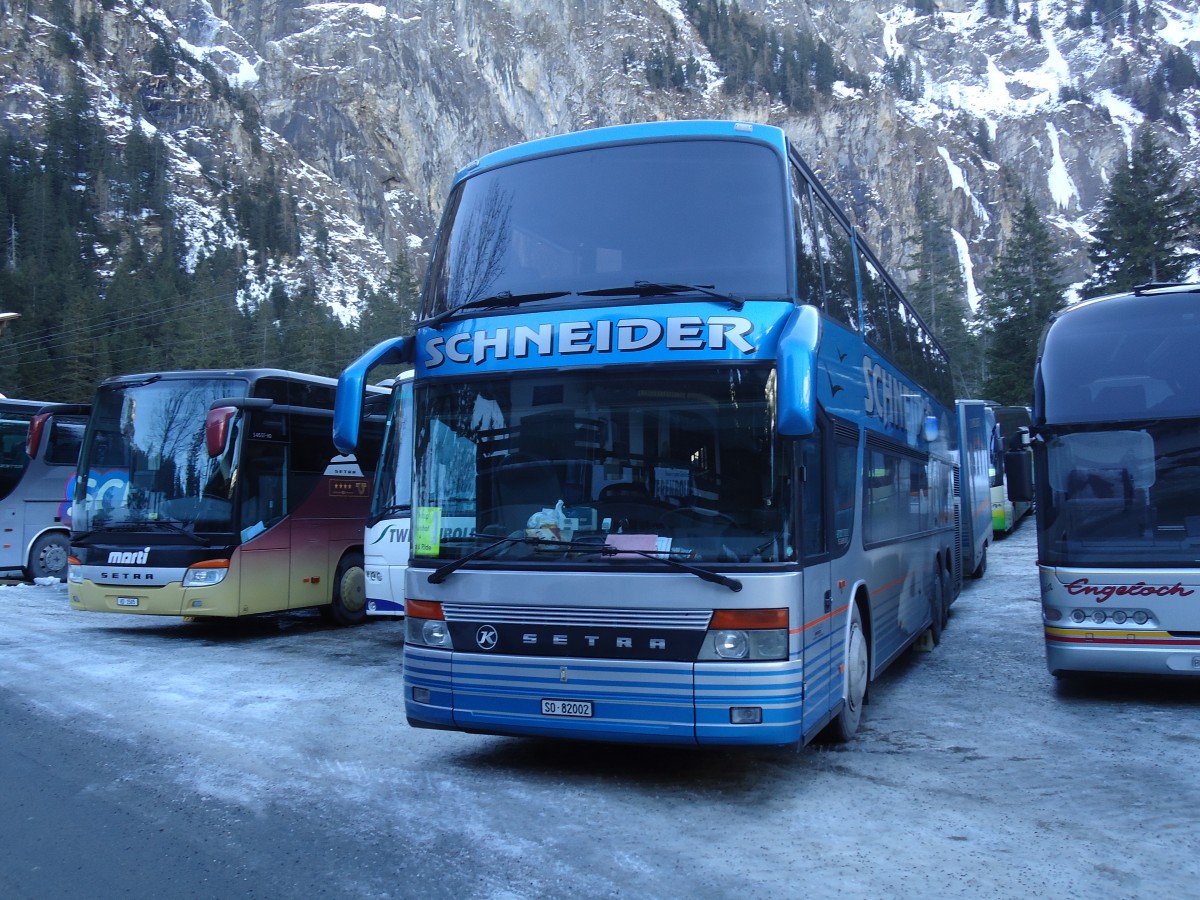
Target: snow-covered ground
column 974, row 775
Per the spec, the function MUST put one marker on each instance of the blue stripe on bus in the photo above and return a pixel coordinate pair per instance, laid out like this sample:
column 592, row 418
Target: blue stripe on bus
column 652, row 701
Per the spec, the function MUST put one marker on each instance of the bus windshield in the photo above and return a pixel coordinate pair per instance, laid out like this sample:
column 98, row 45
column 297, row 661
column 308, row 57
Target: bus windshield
column 1122, row 496
column 700, row 212
column 14, row 430
column 685, row 466
column 393, row 479
column 1122, row 359
column 145, row 460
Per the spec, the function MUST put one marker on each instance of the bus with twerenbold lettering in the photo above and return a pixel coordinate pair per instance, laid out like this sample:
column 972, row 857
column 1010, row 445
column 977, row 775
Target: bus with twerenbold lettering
column 388, row 536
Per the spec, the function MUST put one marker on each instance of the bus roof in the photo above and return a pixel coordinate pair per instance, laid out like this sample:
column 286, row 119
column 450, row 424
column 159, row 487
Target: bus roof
column 9, row 405
column 613, row 135
column 249, row 374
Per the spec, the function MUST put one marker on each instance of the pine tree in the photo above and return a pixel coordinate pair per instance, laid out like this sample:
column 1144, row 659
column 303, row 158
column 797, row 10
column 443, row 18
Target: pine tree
column 1021, row 292
column 938, row 292
column 1148, row 222
column 391, row 310
column 1033, row 25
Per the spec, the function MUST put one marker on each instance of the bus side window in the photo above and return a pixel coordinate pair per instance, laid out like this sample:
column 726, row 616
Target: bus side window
column 809, row 280
column 841, row 294
column 845, row 461
column 66, row 437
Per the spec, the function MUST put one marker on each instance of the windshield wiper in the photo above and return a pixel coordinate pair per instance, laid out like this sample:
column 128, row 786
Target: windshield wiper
column 158, row 523
column 125, row 527
column 391, row 510
column 494, row 301
column 652, row 288
column 440, row 574
column 703, row 574
column 179, row 529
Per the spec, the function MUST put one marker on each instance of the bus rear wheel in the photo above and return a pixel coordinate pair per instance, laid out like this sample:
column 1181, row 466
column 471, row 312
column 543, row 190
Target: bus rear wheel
column 944, row 578
column 937, row 609
column 48, row 558
column 844, row 726
column 349, row 606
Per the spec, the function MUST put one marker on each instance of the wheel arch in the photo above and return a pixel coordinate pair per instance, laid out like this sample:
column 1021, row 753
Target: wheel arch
column 862, row 599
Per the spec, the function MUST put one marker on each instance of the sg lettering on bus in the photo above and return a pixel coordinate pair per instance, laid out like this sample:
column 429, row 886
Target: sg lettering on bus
column 675, row 333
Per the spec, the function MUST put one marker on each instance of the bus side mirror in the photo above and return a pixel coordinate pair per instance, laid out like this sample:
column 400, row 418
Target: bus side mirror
column 216, row 429
column 796, row 401
column 36, row 426
column 348, row 405
column 1018, row 468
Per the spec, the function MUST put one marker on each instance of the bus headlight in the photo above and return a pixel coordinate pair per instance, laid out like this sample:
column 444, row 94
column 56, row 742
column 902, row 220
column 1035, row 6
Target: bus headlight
column 424, row 625
column 731, row 644
column 750, row 635
column 206, row 574
column 434, row 633
column 74, row 570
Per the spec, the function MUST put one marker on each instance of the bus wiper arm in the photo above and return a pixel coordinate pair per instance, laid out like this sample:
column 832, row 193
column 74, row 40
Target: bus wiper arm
column 704, row 574
column 650, row 288
column 80, row 537
column 178, row 529
column 441, row 573
column 392, row 510
column 494, row 301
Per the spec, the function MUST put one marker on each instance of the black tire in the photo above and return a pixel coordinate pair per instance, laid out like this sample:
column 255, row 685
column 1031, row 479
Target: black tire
column 349, row 606
column 944, row 577
column 845, row 724
column 937, row 609
column 48, row 558
column 982, row 567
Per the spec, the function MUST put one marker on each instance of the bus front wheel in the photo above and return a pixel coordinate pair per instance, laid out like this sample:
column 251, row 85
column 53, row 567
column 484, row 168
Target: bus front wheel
column 48, row 558
column 843, row 727
column 349, row 605
column 982, row 567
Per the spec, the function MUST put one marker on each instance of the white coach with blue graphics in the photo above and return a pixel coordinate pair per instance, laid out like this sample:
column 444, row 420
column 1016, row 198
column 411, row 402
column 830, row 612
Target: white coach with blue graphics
column 703, row 445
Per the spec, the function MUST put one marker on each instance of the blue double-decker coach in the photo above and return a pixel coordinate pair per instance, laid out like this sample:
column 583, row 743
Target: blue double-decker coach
column 683, row 453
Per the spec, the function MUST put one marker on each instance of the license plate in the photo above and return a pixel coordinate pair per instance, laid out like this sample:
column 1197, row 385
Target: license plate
column 127, row 601
column 576, row 709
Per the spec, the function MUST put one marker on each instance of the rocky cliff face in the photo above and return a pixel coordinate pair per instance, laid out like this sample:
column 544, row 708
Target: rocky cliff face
column 364, row 111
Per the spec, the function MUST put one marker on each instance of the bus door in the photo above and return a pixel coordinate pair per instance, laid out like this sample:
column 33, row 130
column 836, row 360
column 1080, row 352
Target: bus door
column 55, row 440
column 816, row 623
column 14, row 428
column 266, row 529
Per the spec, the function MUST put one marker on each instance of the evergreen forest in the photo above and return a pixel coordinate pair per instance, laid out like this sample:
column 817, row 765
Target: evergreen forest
column 91, row 258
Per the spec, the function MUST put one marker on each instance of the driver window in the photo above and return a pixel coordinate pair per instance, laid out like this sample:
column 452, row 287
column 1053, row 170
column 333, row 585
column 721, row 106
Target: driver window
column 812, row 487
